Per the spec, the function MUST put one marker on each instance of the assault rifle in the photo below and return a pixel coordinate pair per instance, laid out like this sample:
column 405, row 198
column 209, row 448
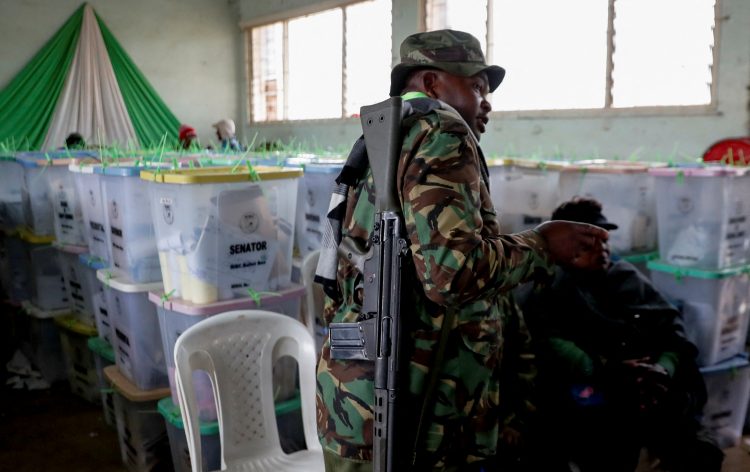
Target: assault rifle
column 377, row 336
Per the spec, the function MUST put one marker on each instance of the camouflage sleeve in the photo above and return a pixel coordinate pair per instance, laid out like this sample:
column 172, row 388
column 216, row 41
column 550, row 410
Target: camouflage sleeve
column 446, row 206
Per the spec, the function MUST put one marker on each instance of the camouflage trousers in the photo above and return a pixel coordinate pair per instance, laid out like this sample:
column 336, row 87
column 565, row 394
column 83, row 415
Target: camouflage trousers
column 336, row 463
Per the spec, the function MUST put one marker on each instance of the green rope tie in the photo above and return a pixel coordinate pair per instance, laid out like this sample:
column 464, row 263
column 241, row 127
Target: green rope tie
column 254, row 177
column 584, row 171
column 680, row 177
column 165, row 297
column 256, row 296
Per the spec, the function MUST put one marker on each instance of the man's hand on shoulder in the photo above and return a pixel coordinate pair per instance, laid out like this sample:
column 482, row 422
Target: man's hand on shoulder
column 577, row 245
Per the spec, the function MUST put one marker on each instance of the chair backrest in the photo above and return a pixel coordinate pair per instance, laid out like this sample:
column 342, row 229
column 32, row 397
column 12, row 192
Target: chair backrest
column 314, row 296
column 238, row 349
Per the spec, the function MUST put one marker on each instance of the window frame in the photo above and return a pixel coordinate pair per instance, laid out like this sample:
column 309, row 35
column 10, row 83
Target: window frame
column 285, row 18
column 608, row 111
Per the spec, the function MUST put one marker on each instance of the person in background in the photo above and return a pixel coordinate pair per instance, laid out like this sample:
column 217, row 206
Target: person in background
column 459, row 277
column 617, row 379
column 188, row 137
column 75, row 141
column 225, row 131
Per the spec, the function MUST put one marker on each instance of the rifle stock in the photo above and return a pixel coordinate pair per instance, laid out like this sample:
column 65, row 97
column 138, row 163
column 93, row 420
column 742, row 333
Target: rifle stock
column 378, row 337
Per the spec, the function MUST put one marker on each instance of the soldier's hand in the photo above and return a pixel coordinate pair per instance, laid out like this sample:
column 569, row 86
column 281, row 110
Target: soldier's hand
column 578, row 245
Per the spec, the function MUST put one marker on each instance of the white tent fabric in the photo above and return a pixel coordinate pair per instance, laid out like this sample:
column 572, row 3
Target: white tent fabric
column 91, row 103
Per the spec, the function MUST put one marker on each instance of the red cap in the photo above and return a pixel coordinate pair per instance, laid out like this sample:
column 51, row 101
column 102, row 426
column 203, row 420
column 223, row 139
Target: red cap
column 187, row 131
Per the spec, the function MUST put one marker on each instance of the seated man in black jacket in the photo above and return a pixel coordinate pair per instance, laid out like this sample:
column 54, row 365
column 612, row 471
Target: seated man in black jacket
column 616, row 373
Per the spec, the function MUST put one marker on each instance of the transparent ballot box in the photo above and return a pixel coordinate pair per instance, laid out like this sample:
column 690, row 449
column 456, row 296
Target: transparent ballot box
column 104, row 356
column 703, row 216
column 11, row 186
column 223, row 231
column 43, row 347
column 89, row 192
column 313, row 198
column 524, row 192
column 210, row 441
column 78, row 283
column 144, row 444
column 79, row 360
column 130, row 230
column 626, row 192
column 50, row 205
column 91, row 264
column 728, row 387
column 48, row 291
column 176, row 316
column 715, row 307
column 135, row 330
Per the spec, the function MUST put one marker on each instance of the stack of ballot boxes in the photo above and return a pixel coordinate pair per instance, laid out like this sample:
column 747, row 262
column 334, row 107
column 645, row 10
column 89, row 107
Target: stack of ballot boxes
column 224, row 237
column 704, row 255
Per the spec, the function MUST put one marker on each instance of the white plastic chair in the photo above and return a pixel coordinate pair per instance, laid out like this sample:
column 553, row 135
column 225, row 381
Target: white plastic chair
column 238, row 349
column 314, row 296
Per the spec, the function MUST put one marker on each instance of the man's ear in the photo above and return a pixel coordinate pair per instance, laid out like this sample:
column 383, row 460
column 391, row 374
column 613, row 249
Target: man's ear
column 430, row 80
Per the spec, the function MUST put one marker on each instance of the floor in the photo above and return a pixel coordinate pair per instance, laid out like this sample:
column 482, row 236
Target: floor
column 53, row 430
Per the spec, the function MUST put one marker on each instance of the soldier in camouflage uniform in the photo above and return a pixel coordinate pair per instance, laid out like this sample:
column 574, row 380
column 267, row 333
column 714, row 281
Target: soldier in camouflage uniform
column 463, row 270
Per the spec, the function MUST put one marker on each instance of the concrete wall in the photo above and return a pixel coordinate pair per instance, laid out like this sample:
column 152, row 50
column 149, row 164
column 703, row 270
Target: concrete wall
column 189, row 50
column 677, row 136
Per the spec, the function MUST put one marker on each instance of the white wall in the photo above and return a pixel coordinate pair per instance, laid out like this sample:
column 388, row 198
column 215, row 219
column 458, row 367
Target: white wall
column 189, row 50
column 676, row 136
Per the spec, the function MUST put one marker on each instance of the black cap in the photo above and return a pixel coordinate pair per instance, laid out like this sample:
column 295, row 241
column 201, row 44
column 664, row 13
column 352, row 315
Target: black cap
column 583, row 210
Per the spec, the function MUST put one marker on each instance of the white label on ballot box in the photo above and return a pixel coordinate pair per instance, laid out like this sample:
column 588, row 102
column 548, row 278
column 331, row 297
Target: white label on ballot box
column 237, row 248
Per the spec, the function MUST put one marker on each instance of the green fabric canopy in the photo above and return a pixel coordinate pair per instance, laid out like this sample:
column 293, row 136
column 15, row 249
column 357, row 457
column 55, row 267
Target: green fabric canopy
column 151, row 118
column 28, row 103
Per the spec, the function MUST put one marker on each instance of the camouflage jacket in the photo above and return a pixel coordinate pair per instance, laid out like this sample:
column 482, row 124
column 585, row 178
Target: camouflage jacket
column 460, row 261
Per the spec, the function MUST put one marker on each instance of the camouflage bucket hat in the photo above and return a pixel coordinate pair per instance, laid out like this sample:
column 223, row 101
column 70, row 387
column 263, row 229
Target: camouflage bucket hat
column 452, row 51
